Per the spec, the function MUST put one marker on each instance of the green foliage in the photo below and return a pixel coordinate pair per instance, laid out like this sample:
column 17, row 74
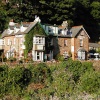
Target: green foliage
column 12, row 59
column 59, row 57
column 37, row 30
column 54, row 12
column 78, row 69
column 62, row 79
column 13, row 80
column 3, row 18
column 63, row 82
column 41, row 73
column 90, row 82
column 98, row 51
column 95, row 10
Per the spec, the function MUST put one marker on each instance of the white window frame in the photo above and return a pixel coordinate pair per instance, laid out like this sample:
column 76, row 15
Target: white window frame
column 21, row 41
column 81, row 42
column 65, row 42
column 14, row 41
column 39, row 40
column 38, row 55
column 8, row 42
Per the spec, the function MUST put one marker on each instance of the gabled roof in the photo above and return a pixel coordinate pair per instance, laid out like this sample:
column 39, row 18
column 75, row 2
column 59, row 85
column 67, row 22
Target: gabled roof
column 76, row 29
column 31, row 25
column 28, row 25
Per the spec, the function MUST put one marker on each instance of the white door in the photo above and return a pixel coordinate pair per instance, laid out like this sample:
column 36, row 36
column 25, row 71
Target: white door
column 81, row 55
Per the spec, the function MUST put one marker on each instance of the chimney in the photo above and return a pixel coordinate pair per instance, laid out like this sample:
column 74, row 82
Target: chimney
column 11, row 23
column 65, row 23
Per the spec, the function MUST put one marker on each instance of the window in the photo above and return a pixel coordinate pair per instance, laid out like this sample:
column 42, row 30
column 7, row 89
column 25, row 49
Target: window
column 50, row 29
column 39, row 40
column 21, row 41
column 38, row 56
column 82, row 33
column 81, row 42
column 1, row 42
column 14, row 40
column 8, row 42
column 65, row 42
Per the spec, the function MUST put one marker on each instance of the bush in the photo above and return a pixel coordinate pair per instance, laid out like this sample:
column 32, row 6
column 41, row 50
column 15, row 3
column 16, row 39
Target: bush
column 12, row 59
column 59, row 57
column 78, row 69
column 90, row 82
column 40, row 73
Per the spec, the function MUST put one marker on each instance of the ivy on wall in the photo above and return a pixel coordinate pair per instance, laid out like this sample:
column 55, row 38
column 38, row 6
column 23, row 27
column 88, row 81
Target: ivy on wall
column 37, row 30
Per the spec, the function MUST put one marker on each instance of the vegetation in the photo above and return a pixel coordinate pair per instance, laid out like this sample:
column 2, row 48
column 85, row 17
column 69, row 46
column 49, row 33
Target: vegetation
column 29, row 37
column 63, row 80
column 76, row 12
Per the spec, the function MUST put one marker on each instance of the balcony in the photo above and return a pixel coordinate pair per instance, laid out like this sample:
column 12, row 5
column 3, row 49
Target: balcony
column 38, row 47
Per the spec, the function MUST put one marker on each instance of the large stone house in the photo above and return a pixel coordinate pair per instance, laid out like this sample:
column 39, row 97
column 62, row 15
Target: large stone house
column 31, row 38
column 73, row 41
column 43, row 42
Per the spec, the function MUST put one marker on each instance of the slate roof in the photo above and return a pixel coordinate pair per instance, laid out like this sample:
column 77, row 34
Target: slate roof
column 28, row 25
column 96, row 45
column 17, row 26
column 76, row 29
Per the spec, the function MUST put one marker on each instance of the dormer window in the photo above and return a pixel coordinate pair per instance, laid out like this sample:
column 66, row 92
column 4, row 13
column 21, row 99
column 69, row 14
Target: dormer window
column 82, row 33
column 49, row 30
column 69, row 32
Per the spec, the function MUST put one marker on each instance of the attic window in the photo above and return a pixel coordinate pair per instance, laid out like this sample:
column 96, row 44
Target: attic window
column 69, row 32
column 49, row 29
column 82, row 33
column 65, row 42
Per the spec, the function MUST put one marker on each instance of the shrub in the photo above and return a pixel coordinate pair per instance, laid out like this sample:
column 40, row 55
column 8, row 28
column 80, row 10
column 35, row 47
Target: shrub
column 12, row 59
column 59, row 57
column 75, row 68
column 40, row 73
column 78, row 69
column 90, row 82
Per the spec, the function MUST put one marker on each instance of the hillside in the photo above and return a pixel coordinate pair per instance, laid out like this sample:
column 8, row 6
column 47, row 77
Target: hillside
column 76, row 12
column 64, row 80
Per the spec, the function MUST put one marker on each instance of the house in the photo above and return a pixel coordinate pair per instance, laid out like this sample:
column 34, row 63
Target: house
column 14, row 41
column 27, row 40
column 41, row 42
column 94, row 46
column 72, row 41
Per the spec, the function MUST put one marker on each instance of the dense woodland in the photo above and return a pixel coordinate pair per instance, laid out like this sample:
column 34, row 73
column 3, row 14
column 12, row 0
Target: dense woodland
column 76, row 12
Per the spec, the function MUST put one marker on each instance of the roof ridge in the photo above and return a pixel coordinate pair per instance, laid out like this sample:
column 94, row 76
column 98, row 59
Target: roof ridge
column 78, row 26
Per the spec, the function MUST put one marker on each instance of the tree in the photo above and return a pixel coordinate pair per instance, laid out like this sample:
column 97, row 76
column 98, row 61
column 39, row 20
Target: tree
column 3, row 17
column 58, row 11
column 95, row 6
